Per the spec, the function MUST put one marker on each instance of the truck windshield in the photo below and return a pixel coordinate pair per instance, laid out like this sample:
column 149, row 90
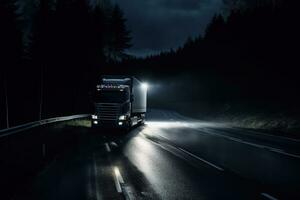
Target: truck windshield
column 111, row 97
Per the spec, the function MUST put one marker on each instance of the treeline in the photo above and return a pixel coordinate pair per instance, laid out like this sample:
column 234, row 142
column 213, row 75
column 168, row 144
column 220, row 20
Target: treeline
column 249, row 55
column 49, row 62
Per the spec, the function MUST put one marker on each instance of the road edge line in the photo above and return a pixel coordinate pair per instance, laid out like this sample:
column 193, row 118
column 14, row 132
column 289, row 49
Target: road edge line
column 107, row 147
column 268, row 196
column 96, row 182
column 201, row 159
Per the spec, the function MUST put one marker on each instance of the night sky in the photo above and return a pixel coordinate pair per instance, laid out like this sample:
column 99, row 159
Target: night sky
column 158, row 25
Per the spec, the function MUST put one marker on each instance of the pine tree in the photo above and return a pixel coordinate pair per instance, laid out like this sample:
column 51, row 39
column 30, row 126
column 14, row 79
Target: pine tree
column 40, row 45
column 10, row 47
column 120, row 36
column 10, row 35
column 216, row 28
column 99, row 34
column 72, row 46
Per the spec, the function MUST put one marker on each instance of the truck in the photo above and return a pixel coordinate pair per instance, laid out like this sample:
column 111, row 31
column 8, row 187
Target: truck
column 119, row 102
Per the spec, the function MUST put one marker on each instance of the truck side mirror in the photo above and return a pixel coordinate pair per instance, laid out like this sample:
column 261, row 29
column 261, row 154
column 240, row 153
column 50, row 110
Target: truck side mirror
column 131, row 98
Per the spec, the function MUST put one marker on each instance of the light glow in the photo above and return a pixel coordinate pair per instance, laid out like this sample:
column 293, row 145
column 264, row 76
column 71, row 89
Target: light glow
column 180, row 124
column 122, row 117
column 117, row 171
column 112, row 86
column 145, row 86
column 94, row 117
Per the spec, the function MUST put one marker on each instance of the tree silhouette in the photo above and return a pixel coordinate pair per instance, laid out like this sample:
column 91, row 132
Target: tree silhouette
column 41, row 39
column 10, row 48
column 246, row 56
column 120, row 38
column 100, row 36
column 67, row 45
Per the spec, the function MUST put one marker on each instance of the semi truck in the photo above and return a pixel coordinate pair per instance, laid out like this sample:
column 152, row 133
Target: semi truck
column 119, row 102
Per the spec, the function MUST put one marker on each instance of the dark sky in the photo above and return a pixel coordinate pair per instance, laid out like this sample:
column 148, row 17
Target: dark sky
column 158, row 25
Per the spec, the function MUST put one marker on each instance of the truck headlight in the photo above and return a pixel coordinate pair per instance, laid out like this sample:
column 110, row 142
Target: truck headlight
column 94, row 117
column 122, row 117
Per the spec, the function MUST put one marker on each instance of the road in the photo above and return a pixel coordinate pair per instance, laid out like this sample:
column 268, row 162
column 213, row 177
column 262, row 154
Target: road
column 173, row 157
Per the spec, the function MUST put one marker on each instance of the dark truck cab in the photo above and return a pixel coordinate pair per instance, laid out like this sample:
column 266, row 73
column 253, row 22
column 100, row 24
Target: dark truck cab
column 119, row 102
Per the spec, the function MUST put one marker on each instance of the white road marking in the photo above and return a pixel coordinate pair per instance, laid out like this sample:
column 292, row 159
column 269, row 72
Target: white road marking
column 255, row 145
column 235, row 139
column 269, row 135
column 107, row 147
column 118, row 179
column 198, row 158
column 186, row 152
column 120, row 185
column 287, row 154
column 280, row 151
column 89, row 185
column 268, row 196
column 276, row 150
column 96, row 182
column 114, row 144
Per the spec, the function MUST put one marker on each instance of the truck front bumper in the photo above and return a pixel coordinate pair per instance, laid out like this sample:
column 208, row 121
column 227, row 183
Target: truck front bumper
column 110, row 123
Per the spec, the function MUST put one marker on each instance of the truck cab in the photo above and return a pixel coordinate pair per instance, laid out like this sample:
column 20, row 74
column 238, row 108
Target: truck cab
column 119, row 103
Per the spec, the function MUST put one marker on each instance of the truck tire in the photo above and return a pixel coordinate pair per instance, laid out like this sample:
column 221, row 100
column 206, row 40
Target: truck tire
column 128, row 126
column 142, row 122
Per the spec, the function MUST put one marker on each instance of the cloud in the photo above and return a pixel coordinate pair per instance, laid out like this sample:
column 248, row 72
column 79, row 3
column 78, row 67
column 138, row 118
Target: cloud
column 158, row 25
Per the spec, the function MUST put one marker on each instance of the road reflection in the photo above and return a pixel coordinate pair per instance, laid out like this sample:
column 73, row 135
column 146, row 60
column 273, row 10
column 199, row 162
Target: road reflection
column 179, row 124
column 163, row 171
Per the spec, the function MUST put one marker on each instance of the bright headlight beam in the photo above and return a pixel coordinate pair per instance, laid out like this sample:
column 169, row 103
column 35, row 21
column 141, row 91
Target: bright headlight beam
column 145, row 86
column 122, row 117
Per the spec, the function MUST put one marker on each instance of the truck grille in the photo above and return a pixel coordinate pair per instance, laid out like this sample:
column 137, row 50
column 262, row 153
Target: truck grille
column 107, row 111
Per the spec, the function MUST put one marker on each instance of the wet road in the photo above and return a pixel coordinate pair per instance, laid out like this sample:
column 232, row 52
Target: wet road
column 173, row 157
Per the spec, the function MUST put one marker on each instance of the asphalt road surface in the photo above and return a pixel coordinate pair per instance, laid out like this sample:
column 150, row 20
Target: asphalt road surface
column 173, row 157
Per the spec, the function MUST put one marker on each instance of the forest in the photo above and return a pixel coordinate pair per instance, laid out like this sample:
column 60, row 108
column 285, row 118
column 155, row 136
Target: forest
column 246, row 58
column 51, row 56
column 245, row 63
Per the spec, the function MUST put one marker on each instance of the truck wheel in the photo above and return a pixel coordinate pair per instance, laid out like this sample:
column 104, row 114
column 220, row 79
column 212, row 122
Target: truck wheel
column 128, row 127
column 142, row 122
